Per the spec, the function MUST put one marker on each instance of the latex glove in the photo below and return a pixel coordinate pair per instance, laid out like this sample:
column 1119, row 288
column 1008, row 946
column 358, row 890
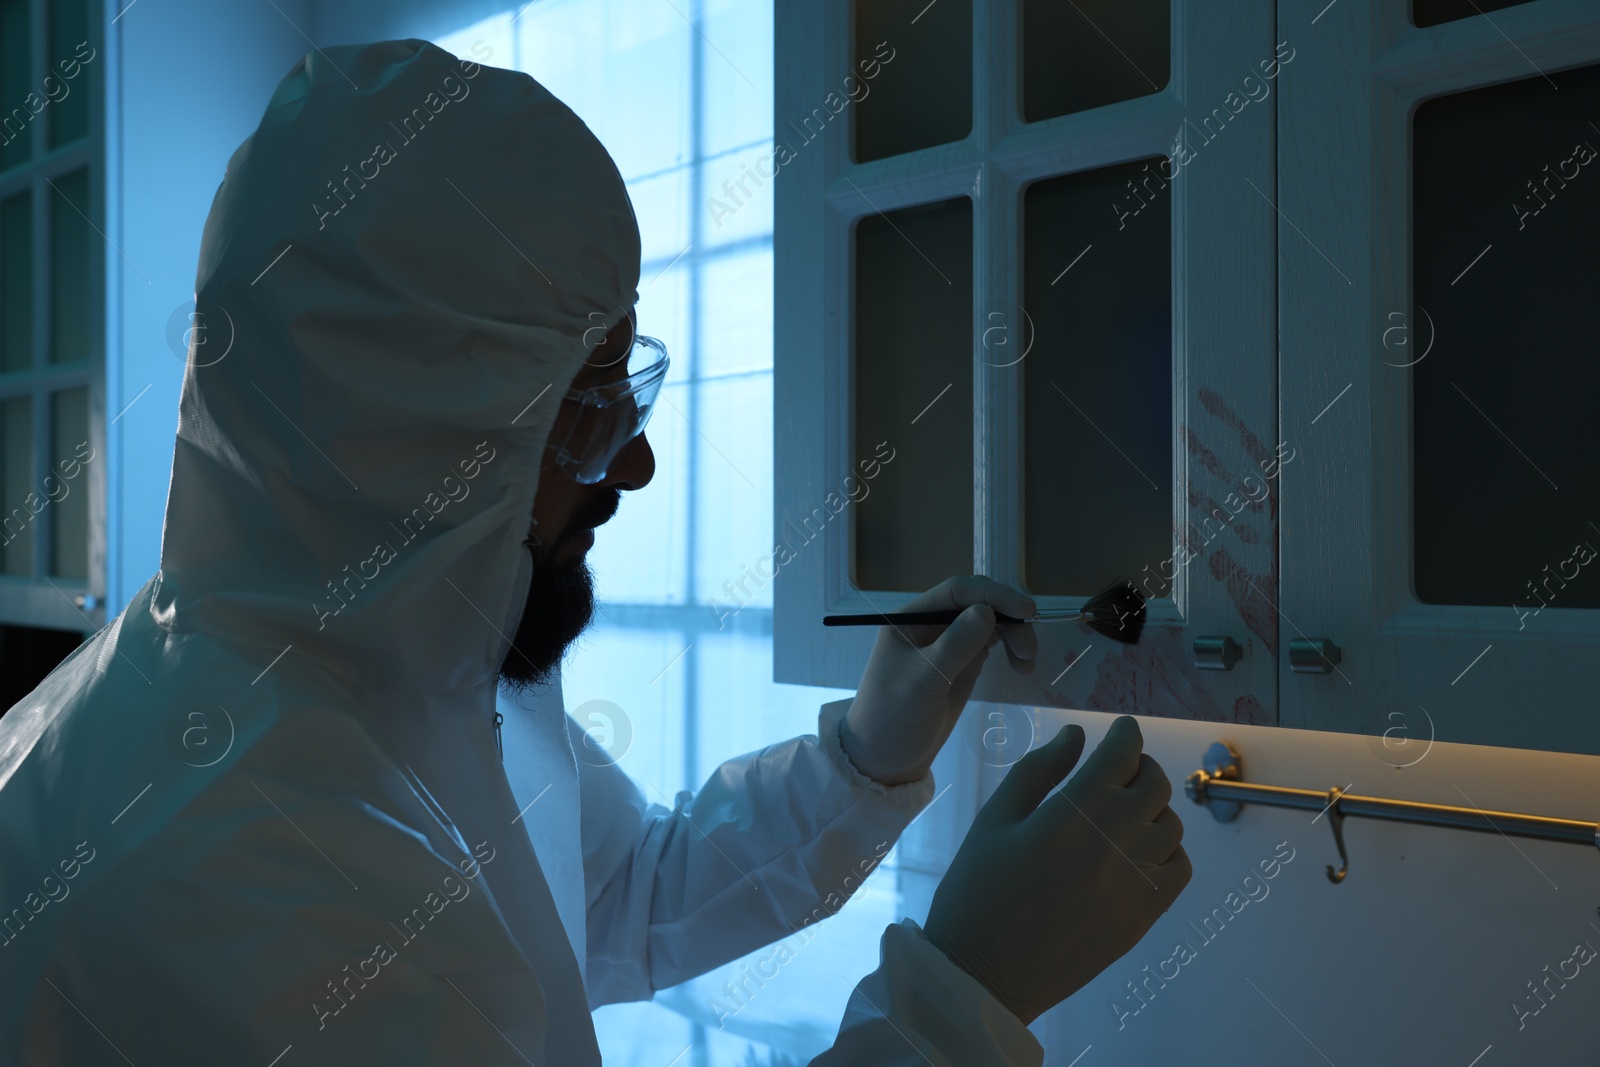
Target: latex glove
column 919, row 677
column 1041, row 897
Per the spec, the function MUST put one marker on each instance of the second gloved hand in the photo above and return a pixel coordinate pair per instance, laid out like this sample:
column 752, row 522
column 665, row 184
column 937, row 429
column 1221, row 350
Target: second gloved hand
column 1051, row 888
column 919, row 677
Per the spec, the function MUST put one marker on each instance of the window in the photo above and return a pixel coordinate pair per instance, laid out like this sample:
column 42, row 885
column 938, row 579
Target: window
column 676, row 675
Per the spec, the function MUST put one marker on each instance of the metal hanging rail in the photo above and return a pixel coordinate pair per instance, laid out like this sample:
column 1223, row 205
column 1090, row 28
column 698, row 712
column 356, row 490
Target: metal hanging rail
column 1217, row 787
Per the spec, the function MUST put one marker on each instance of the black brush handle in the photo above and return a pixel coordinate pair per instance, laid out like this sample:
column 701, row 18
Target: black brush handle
column 909, row 618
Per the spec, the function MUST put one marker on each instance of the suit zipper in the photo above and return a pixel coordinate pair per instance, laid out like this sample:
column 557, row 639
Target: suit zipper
column 498, row 719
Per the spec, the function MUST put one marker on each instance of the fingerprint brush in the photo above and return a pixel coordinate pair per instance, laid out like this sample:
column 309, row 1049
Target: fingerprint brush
column 1117, row 611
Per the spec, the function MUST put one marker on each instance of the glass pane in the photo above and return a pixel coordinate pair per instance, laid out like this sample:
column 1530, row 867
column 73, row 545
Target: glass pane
column 1097, row 412
column 1076, row 56
column 67, row 485
column 911, row 84
column 16, row 84
column 640, row 556
column 1433, row 12
column 16, row 283
column 69, row 268
column 661, row 207
column 736, row 314
column 911, row 439
column 737, row 98
column 16, row 472
column 67, row 83
column 604, row 57
column 1505, row 468
column 733, row 548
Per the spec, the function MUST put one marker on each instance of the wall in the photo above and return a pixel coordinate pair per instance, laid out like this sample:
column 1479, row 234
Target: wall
column 353, row 21
column 189, row 84
column 1416, row 958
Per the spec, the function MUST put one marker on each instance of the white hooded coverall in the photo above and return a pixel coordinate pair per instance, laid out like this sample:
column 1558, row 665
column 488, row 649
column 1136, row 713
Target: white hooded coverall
column 260, row 817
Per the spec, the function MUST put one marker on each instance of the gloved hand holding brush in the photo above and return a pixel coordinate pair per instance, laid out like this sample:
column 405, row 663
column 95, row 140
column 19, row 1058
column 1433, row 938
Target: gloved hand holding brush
column 920, row 675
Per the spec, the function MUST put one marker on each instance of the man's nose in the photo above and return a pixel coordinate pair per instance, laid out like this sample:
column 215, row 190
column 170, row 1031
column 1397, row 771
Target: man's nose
column 633, row 467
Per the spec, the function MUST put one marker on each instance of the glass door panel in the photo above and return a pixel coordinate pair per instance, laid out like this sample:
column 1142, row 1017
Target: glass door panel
column 16, row 283
column 69, row 268
column 66, row 84
column 1076, row 56
column 1505, row 476
column 16, row 482
column 1097, row 405
column 910, row 85
column 1433, row 12
column 16, row 82
column 912, row 397
column 68, row 488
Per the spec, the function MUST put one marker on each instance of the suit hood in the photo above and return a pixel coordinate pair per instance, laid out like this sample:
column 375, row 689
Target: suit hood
column 404, row 268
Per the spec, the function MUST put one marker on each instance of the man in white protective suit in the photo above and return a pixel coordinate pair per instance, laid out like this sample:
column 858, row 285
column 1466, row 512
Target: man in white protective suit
column 270, row 814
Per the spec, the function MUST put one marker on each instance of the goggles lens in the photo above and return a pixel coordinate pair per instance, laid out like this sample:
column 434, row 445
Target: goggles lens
column 597, row 423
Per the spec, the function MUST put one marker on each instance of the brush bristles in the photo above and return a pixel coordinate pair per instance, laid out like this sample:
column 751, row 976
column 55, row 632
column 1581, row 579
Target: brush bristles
column 1117, row 611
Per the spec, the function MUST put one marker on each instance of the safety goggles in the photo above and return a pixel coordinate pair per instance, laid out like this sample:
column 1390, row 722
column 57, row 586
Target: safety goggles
column 595, row 424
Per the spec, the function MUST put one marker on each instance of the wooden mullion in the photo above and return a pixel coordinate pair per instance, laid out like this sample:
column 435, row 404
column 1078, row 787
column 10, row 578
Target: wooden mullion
column 1550, row 35
column 1089, row 139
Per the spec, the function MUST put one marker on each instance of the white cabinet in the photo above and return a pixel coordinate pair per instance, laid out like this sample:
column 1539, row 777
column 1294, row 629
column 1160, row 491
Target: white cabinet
column 1055, row 314
column 1072, row 293
column 52, row 277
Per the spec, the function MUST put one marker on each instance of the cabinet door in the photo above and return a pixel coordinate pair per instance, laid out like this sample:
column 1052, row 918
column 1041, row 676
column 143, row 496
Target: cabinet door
column 1025, row 328
column 52, row 284
column 1438, row 171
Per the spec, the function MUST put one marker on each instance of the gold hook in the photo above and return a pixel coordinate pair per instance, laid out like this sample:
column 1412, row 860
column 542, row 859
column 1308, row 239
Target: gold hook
column 1336, row 817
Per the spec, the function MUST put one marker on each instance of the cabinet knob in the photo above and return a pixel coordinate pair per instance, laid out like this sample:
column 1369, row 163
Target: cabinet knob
column 1313, row 655
column 1216, row 653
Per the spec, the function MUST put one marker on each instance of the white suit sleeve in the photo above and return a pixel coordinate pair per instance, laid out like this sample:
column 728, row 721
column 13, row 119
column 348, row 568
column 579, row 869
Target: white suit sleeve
column 773, row 841
column 918, row 1008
